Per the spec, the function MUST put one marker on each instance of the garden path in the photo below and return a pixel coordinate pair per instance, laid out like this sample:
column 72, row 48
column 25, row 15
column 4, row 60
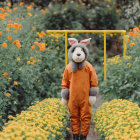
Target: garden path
column 92, row 135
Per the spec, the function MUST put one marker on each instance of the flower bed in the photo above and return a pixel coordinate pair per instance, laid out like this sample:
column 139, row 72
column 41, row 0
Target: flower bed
column 118, row 120
column 45, row 120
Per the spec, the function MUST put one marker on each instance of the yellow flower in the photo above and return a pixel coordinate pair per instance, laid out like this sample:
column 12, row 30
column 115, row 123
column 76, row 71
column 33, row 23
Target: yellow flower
column 18, row 59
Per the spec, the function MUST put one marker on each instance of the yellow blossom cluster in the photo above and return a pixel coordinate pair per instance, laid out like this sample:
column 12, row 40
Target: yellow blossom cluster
column 114, row 60
column 44, row 121
column 56, row 35
column 118, row 120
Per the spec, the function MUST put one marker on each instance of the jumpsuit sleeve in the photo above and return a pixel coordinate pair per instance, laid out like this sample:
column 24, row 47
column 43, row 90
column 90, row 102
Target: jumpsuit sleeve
column 93, row 77
column 65, row 79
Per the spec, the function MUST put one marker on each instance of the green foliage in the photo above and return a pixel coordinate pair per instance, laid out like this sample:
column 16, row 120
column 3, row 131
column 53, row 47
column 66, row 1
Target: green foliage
column 66, row 17
column 33, row 74
column 123, row 76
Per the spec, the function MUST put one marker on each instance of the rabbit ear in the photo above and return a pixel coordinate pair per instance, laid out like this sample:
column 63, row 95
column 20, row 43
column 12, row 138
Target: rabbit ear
column 85, row 41
column 72, row 41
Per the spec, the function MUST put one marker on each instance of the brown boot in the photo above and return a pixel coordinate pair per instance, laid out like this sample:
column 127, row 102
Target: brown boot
column 83, row 137
column 75, row 136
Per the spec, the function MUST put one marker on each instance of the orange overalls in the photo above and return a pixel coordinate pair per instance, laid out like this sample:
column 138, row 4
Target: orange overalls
column 79, row 83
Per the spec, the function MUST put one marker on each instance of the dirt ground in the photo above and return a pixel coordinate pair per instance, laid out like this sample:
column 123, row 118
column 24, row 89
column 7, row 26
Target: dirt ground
column 92, row 135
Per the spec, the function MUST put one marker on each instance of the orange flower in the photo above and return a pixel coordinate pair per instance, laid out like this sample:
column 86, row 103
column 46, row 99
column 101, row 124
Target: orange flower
column 22, row 18
column 20, row 25
column 2, row 10
column 8, row 94
column 33, row 47
column 9, row 37
column 42, row 47
column 132, row 44
column 2, row 16
column 4, row 45
column 16, row 25
column 5, row 74
column 130, row 33
column 0, row 33
column 31, row 57
column 10, row 25
column 127, row 40
column 15, row 83
column 7, row 29
column 29, row 14
column 9, row 21
column 28, row 62
column 36, row 43
column 135, row 34
column 8, row 4
column 15, row 8
column 18, row 45
column 33, row 28
column 21, row 4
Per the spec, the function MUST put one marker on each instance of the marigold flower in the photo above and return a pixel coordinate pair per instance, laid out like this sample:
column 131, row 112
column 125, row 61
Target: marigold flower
column 33, row 47
column 18, row 44
column 8, row 94
column 9, row 21
column 33, row 28
column 18, row 59
column 2, row 10
column 4, row 45
column 28, row 62
column 15, row 83
column 15, row 8
column 0, row 33
column 5, row 74
column 7, row 29
column 36, row 43
column 9, row 37
column 29, row 14
column 21, row 4
column 31, row 57
column 132, row 44
column 127, row 40
column 8, row 4
column 130, row 33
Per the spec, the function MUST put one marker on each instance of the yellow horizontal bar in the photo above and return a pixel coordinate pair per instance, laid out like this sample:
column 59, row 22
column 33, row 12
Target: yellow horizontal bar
column 86, row 31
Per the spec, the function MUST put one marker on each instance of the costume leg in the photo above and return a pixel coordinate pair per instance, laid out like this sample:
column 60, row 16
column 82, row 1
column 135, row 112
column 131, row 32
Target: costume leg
column 85, row 117
column 74, row 117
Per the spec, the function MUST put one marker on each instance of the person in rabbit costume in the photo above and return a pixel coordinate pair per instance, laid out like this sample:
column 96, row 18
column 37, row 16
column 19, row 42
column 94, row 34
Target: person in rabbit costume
column 79, row 88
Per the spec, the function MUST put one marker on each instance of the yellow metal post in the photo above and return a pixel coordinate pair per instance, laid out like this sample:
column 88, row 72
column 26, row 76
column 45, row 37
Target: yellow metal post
column 104, row 55
column 66, row 52
column 91, row 31
column 124, row 46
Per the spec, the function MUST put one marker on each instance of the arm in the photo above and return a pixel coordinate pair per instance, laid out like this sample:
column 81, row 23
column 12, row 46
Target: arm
column 93, row 86
column 65, row 87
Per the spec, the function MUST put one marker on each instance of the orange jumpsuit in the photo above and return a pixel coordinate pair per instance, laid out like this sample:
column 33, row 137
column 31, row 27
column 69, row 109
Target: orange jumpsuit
column 79, row 83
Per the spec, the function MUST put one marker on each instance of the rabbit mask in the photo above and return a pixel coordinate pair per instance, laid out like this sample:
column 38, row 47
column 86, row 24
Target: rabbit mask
column 78, row 53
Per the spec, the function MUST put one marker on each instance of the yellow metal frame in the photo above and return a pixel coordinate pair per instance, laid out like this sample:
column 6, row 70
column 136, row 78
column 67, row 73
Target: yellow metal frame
column 91, row 31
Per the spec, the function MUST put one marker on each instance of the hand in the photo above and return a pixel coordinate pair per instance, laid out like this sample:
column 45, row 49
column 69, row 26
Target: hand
column 64, row 102
column 92, row 100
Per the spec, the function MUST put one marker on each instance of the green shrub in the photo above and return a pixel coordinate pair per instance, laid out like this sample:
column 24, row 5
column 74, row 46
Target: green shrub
column 31, row 61
column 123, row 74
column 66, row 17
